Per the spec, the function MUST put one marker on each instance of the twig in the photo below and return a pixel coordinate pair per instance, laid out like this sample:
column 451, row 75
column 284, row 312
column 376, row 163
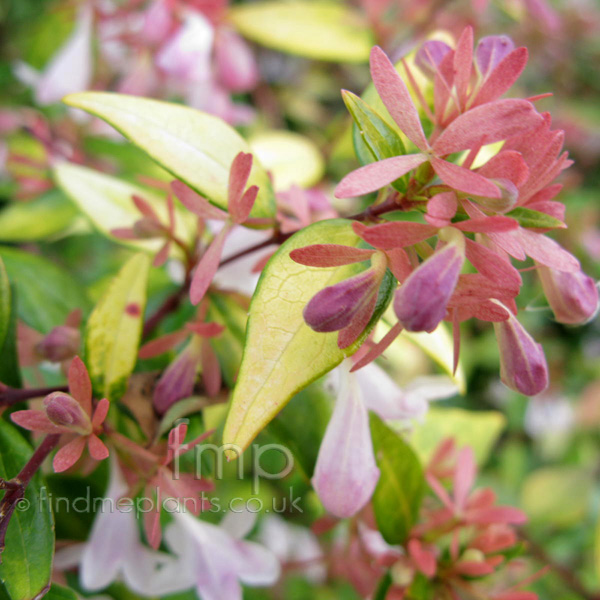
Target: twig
column 15, row 488
column 277, row 238
column 567, row 575
column 10, row 396
column 171, row 304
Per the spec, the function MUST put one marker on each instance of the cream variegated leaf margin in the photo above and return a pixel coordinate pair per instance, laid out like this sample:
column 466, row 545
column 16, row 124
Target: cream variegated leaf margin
column 320, row 30
column 194, row 146
column 106, row 200
column 282, row 355
column 114, row 328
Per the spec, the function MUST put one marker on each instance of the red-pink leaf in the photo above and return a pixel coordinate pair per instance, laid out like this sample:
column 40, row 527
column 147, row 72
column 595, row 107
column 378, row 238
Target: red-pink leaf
column 508, row 164
column 502, row 77
column 207, row 267
column 36, row 420
column 548, row 252
column 397, row 234
column 211, row 371
column 69, row 454
column 379, row 348
column 238, row 176
column 493, row 266
column 464, row 476
column 377, row 175
column 145, row 208
column 206, row 330
column 162, row 255
column 441, row 208
column 97, row 448
column 329, row 255
column 197, row 204
column 464, row 180
column 100, row 413
column 396, row 97
column 80, row 386
column 463, row 64
column 162, row 344
column 124, row 233
column 240, row 208
column 495, row 224
column 399, row 263
column 487, row 124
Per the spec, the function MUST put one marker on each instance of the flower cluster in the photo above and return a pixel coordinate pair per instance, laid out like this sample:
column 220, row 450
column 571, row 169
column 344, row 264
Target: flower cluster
column 477, row 214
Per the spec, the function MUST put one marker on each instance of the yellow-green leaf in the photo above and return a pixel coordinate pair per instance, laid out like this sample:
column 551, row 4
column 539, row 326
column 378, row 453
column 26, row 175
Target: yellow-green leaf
column 319, row 30
column 480, row 430
column 194, row 146
column 282, row 355
column 38, row 219
column 114, row 328
column 557, row 495
column 106, row 200
column 293, row 159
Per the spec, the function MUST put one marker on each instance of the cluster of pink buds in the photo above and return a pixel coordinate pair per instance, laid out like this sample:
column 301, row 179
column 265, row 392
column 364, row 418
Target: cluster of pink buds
column 482, row 215
column 72, row 415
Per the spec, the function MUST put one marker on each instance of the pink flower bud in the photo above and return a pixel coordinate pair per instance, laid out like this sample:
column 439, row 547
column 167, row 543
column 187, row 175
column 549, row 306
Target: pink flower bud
column 523, row 365
column 491, row 50
column 63, row 410
column 572, row 296
column 420, row 303
column 334, row 307
column 430, row 55
column 236, row 67
column 60, row 344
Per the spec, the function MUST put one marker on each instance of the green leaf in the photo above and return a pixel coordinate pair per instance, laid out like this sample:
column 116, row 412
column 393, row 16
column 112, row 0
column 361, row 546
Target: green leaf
column 300, row 426
column 318, row 30
column 4, row 303
column 38, row 219
column 373, row 137
column 399, row 492
column 535, row 219
column 229, row 345
column 557, row 496
column 27, row 559
column 195, row 147
column 114, row 329
column 597, row 548
column 10, row 373
column 106, row 200
column 282, row 354
column 291, row 158
column 383, row 587
column 59, row 592
column 46, row 292
column 480, row 430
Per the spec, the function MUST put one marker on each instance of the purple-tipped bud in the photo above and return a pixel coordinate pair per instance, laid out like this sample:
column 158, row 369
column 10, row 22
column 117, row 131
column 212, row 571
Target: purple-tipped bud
column 147, row 228
column 491, row 50
column 430, row 55
column 334, row 307
column 420, row 303
column 523, row 365
column 65, row 411
column 60, row 344
column 572, row 296
column 177, row 382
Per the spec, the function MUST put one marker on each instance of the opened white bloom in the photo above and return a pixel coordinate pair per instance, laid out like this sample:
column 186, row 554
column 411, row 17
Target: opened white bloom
column 115, row 551
column 295, row 545
column 346, row 474
column 215, row 559
column 69, row 70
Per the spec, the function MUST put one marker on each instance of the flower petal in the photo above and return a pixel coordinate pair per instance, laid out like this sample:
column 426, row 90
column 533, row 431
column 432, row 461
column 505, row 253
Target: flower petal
column 346, row 473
